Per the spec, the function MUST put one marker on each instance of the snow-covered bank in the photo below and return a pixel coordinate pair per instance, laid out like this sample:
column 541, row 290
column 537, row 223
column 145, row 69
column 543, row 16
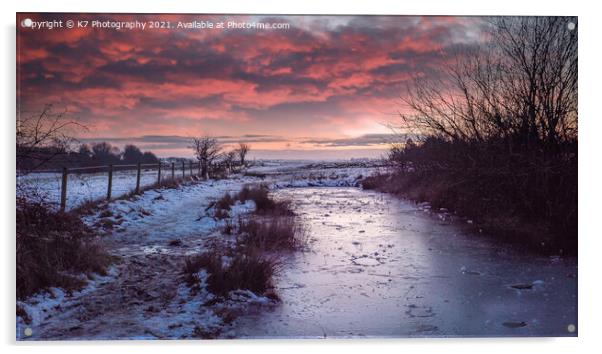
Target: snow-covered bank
column 39, row 307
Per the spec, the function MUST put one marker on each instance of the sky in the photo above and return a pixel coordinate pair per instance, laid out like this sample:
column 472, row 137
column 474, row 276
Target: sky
column 321, row 87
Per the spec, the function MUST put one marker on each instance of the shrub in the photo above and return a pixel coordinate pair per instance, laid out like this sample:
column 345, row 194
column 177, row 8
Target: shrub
column 247, row 271
column 376, row 182
column 222, row 206
column 54, row 249
column 225, row 202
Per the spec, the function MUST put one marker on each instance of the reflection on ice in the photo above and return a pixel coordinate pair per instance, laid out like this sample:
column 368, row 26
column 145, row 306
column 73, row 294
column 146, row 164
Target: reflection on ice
column 379, row 266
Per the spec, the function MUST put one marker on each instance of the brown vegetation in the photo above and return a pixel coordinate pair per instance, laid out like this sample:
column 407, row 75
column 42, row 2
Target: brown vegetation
column 532, row 202
column 54, row 249
column 271, row 233
column 272, row 228
column 246, row 271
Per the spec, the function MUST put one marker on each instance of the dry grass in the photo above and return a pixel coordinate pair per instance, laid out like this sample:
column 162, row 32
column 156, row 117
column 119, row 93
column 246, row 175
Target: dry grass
column 246, row 271
column 225, row 202
column 222, row 206
column 272, row 233
column 54, row 249
column 273, row 227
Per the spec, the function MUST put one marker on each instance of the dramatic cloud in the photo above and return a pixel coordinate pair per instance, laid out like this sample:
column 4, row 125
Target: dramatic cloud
column 335, row 79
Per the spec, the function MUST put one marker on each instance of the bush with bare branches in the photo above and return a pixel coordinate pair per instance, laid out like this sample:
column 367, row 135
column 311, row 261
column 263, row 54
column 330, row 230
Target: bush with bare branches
column 498, row 134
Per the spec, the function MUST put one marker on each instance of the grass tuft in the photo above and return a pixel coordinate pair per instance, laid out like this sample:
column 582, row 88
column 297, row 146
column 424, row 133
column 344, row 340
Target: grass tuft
column 272, row 233
column 225, row 202
column 247, row 271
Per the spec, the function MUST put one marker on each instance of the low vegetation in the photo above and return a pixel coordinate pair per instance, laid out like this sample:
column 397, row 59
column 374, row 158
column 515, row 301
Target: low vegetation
column 531, row 202
column 271, row 233
column 261, row 236
column 264, row 205
column 247, row 271
column 54, row 249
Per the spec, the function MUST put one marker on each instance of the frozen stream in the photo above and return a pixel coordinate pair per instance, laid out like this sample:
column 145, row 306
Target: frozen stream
column 380, row 266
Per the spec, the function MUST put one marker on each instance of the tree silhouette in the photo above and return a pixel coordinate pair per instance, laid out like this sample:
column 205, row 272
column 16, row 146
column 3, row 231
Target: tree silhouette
column 207, row 150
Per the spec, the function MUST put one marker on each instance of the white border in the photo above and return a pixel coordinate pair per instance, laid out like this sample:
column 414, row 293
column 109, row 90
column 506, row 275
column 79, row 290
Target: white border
column 589, row 172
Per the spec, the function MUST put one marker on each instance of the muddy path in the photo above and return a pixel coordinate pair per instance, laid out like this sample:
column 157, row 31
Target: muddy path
column 144, row 296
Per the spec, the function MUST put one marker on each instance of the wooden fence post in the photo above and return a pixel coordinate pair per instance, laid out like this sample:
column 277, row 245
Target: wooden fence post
column 110, row 184
column 159, row 175
column 173, row 170
column 199, row 168
column 138, row 179
column 190, row 166
column 64, row 189
column 183, row 170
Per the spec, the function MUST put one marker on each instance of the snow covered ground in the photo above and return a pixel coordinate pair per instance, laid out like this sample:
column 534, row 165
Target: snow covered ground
column 85, row 187
column 82, row 188
column 369, row 253
column 144, row 297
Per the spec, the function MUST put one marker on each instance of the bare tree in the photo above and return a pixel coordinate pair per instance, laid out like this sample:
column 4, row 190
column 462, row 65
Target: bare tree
column 520, row 87
column 242, row 151
column 540, row 75
column 207, row 150
column 41, row 137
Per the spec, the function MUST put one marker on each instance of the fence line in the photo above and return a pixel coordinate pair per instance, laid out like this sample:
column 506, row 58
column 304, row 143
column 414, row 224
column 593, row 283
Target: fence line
column 138, row 167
